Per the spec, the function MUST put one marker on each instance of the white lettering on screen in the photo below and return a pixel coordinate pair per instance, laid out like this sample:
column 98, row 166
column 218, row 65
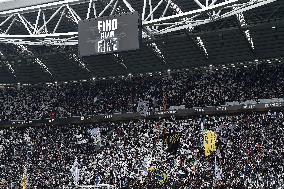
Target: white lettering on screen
column 108, row 42
column 108, row 25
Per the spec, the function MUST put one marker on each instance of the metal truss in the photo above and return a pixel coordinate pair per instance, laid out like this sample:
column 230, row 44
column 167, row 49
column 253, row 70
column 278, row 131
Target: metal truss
column 118, row 9
column 21, row 50
column 197, row 40
column 72, row 56
column 118, row 58
column 39, row 31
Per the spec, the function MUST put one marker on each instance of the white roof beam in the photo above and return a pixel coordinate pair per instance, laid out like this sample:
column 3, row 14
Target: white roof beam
column 10, row 7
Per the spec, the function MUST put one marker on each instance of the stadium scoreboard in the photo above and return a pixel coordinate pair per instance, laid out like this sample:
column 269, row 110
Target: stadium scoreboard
column 109, row 34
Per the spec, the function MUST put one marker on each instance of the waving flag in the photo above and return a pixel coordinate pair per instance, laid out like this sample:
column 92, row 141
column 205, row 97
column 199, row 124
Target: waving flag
column 173, row 141
column 75, row 171
column 143, row 107
column 96, row 135
column 217, row 171
column 158, row 174
column 209, row 142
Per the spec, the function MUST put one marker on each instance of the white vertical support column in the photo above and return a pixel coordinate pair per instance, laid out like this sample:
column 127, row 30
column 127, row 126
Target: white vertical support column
column 114, row 7
column 44, row 24
column 89, row 9
column 151, row 9
column 144, row 10
column 95, row 9
column 37, row 21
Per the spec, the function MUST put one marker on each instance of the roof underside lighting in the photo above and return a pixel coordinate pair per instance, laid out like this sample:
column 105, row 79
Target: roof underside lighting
column 79, row 61
column 156, row 50
column 201, row 45
column 119, row 59
column 24, row 50
column 243, row 23
column 8, row 65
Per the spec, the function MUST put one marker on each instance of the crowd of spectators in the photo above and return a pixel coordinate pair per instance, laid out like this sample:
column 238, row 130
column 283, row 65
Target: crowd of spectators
column 210, row 86
column 249, row 153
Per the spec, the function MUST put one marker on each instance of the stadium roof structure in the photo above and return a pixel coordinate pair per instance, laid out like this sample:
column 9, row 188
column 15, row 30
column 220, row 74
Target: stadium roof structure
column 38, row 38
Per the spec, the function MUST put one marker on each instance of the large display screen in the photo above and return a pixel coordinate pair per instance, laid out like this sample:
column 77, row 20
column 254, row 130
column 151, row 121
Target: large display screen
column 109, row 34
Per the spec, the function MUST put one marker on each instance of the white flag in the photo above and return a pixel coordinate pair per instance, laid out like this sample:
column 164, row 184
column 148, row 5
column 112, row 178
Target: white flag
column 75, row 171
column 218, row 171
column 143, row 107
column 202, row 125
column 96, row 135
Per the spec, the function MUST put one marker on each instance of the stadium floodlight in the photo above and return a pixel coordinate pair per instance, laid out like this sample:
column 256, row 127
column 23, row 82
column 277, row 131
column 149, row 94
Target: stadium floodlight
column 14, row 12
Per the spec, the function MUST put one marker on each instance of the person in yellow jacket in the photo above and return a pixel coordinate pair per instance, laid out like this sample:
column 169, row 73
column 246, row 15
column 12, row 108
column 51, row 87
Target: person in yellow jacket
column 24, row 179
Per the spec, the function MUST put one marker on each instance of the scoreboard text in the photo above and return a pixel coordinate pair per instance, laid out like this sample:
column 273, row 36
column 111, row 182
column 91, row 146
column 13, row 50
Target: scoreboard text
column 109, row 34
